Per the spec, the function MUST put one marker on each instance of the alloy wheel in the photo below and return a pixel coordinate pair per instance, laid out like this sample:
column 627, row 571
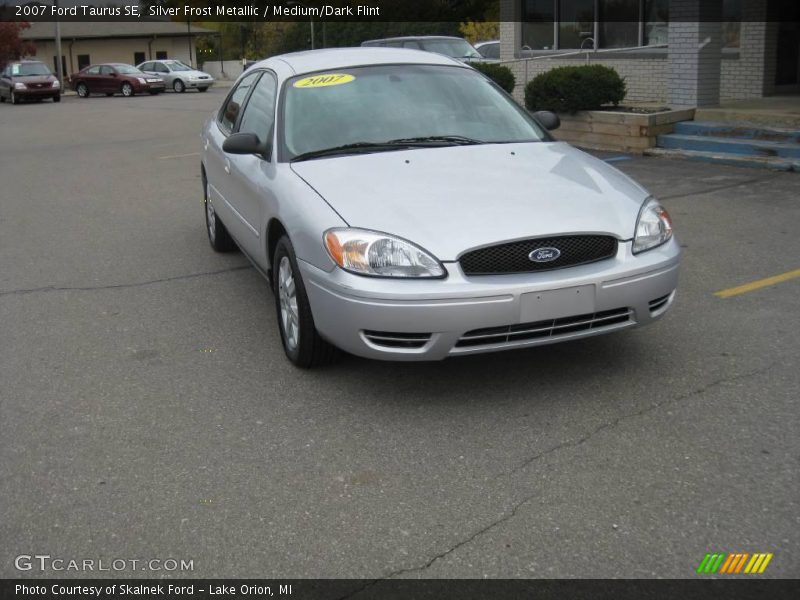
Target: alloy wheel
column 287, row 294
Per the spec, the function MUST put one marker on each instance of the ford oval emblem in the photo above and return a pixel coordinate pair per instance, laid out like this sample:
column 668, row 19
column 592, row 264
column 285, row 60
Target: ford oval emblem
column 543, row 255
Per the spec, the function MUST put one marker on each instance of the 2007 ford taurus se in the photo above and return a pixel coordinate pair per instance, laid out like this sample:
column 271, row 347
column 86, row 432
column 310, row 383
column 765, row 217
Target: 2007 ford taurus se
column 405, row 208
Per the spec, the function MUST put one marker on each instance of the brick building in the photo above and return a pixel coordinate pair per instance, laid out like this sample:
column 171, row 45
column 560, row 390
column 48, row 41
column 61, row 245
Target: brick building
column 677, row 52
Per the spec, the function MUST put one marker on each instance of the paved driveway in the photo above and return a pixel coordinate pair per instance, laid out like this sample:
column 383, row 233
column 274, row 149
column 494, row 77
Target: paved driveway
column 147, row 411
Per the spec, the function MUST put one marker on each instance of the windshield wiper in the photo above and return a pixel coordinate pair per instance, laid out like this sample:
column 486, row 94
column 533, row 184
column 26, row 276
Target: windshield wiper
column 459, row 140
column 354, row 148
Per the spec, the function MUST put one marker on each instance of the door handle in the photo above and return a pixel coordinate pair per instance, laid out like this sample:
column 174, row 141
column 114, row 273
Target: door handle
column 227, row 167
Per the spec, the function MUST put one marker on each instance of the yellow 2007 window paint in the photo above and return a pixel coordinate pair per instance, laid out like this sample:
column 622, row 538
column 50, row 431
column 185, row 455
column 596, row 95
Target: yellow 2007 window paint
column 324, row 80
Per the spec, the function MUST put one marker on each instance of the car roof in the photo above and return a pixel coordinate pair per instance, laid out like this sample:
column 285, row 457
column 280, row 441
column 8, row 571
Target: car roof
column 340, row 58
column 415, row 37
column 25, row 61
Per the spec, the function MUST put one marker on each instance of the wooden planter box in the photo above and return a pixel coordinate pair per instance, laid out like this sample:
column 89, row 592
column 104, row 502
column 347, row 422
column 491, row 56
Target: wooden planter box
column 623, row 131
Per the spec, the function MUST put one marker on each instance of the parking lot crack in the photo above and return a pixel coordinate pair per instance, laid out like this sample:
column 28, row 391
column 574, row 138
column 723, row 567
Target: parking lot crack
column 720, row 187
column 512, row 512
column 648, row 409
column 55, row 288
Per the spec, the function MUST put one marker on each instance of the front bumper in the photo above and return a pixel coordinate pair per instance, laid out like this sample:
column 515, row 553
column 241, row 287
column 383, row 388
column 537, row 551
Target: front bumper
column 44, row 92
column 428, row 319
column 151, row 87
column 199, row 83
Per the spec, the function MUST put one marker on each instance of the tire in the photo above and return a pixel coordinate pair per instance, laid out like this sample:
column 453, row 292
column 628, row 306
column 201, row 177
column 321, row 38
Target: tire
column 82, row 90
column 178, row 86
column 126, row 89
column 301, row 342
column 57, row 98
column 202, row 89
column 218, row 236
column 2, row 99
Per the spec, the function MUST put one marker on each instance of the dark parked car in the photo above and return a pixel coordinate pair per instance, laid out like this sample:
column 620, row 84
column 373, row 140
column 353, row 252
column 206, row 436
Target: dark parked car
column 113, row 78
column 28, row 79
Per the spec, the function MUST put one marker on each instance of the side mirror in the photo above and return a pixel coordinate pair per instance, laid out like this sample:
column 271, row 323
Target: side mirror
column 549, row 120
column 245, row 143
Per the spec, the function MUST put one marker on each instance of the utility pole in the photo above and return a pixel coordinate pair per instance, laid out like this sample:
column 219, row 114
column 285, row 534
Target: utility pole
column 59, row 69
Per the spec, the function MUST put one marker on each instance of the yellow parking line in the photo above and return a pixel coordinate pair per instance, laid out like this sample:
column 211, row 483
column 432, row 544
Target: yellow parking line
column 755, row 285
column 179, row 155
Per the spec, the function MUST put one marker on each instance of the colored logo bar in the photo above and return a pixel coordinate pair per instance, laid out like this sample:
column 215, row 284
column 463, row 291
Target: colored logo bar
column 734, row 563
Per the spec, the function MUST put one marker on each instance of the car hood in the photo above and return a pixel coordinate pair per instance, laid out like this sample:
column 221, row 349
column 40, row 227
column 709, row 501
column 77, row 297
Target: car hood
column 195, row 74
column 449, row 200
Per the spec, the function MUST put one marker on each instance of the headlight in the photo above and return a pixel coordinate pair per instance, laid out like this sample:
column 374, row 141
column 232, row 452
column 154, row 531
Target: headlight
column 380, row 255
column 56, row 84
column 20, row 86
column 653, row 226
column 142, row 80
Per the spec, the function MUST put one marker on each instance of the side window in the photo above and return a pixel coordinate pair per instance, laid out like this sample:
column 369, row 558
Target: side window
column 259, row 113
column 414, row 45
column 231, row 109
column 147, row 66
column 492, row 51
column 93, row 71
column 106, row 70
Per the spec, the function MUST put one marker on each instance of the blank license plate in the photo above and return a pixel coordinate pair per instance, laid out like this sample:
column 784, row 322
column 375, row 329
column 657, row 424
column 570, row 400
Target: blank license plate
column 554, row 304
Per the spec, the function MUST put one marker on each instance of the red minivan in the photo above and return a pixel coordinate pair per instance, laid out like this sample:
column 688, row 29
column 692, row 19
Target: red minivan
column 112, row 78
column 28, row 80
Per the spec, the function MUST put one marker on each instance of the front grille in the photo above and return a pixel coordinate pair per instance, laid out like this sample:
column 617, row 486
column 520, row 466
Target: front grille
column 551, row 328
column 658, row 303
column 513, row 256
column 393, row 339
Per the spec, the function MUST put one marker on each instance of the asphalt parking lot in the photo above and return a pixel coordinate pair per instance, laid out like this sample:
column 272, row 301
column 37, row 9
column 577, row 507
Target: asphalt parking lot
column 147, row 410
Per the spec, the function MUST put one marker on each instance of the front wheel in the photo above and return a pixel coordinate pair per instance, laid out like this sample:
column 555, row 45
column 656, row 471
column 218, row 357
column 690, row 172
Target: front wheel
column 82, row 90
column 303, row 345
column 57, row 98
column 218, row 235
column 127, row 90
column 179, row 86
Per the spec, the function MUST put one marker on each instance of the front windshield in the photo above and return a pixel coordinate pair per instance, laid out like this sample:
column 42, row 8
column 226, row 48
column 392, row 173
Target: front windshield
column 379, row 104
column 454, row 48
column 128, row 70
column 178, row 66
column 25, row 69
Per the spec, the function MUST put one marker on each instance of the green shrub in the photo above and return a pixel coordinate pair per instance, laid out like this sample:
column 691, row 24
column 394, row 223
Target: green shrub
column 570, row 89
column 501, row 75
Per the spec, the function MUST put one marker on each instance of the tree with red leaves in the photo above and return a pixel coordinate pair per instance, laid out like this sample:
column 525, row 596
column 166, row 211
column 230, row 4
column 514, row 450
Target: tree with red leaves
column 12, row 46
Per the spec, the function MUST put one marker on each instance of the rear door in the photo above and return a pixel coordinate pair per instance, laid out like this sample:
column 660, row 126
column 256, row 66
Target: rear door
column 217, row 163
column 248, row 190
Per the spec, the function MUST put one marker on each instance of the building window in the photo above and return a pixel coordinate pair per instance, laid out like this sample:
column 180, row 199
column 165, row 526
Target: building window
column 538, row 17
column 83, row 61
column 731, row 23
column 587, row 24
column 63, row 65
column 161, row 55
column 575, row 23
column 138, row 58
column 618, row 25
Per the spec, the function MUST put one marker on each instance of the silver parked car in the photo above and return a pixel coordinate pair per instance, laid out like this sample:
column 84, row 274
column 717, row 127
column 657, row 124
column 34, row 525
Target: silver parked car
column 405, row 208
column 177, row 75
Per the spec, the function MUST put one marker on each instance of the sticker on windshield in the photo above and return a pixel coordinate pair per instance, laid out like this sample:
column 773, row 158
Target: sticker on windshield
column 324, row 80
column 15, row 69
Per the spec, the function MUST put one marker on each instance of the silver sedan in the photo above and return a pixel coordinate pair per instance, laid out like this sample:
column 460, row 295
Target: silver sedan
column 177, row 75
column 404, row 207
